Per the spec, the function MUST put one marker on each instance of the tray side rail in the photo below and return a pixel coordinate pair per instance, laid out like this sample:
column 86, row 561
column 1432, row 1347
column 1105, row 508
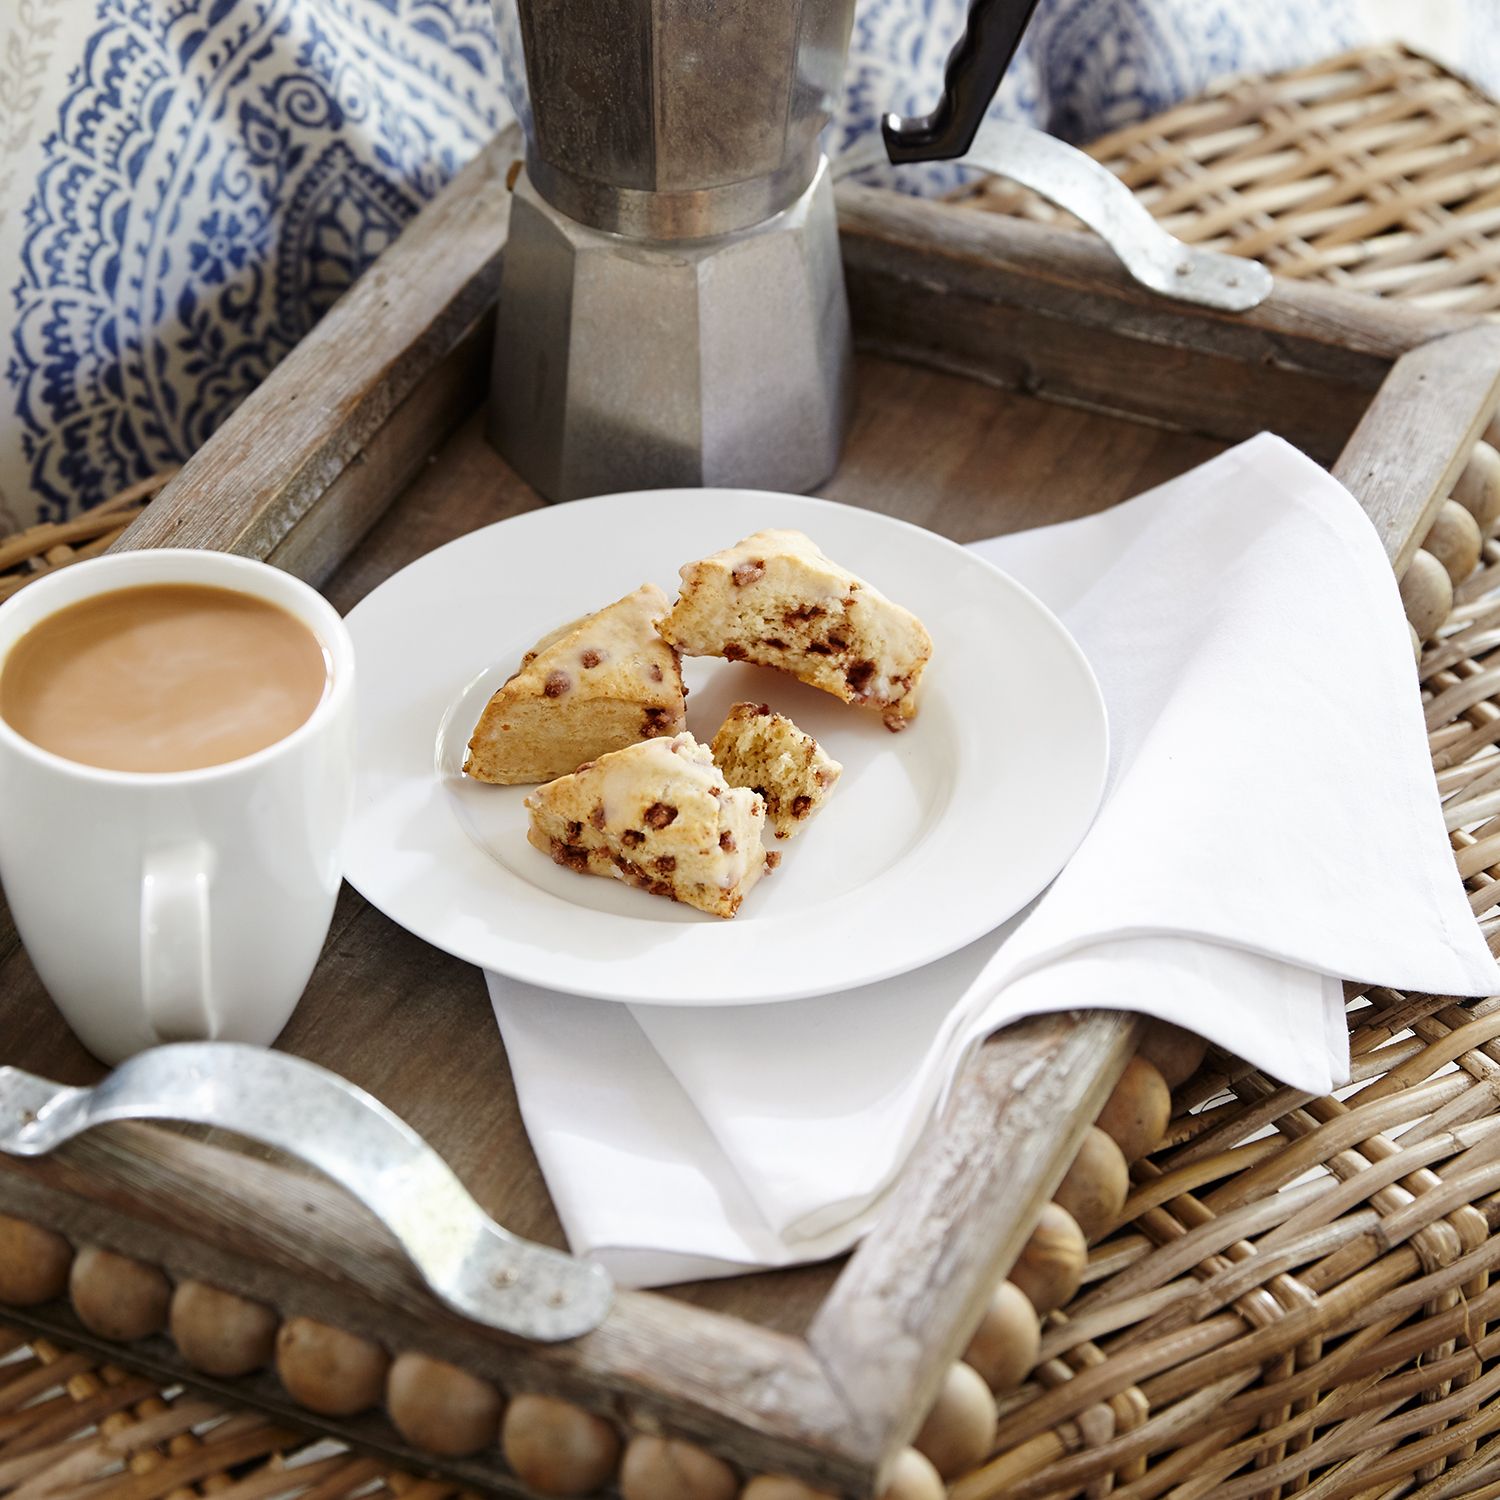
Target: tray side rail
column 303, row 1247
column 912, row 1294
column 1414, row 439
column 1050, row 312
column 312, row 458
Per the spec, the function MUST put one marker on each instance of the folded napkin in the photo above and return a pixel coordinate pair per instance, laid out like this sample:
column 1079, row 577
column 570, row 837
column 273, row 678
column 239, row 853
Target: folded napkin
column 1270, row 827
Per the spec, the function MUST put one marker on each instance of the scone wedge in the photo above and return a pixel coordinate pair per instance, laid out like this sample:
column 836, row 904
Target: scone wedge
column 659, row 815
column 776, row 600
column 785, row 766
column 595, row 685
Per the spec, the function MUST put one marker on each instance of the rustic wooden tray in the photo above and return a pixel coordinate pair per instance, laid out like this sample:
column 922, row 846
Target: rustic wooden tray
column 1010, row 375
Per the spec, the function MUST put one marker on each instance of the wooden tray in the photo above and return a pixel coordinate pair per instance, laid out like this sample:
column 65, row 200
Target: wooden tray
column 1010, row 376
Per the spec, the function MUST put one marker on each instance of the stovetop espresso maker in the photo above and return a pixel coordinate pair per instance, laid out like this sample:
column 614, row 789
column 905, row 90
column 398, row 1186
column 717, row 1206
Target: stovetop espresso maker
column 672, row 306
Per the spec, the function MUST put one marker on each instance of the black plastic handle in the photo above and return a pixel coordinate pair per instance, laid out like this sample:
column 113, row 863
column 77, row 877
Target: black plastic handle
column 973, row 73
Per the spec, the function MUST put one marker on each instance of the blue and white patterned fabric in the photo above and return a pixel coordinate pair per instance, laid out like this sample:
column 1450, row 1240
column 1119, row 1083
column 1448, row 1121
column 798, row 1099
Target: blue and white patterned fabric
column 186, row 185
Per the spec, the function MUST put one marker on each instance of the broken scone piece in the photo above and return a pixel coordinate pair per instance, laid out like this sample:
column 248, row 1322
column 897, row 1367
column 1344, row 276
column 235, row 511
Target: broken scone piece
column 595, row 685
column 776, row 600
column 763, row 750
column 661, row 816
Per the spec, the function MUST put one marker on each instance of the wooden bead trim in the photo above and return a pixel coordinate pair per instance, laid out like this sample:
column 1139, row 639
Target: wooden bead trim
column 1452, row 551
column 553, row 1446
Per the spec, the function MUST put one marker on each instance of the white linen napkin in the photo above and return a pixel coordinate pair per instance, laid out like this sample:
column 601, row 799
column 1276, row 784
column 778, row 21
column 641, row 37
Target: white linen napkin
column 1270, row 827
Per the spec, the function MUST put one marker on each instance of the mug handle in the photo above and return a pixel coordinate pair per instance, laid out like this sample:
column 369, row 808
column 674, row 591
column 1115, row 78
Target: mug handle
column 175, row 943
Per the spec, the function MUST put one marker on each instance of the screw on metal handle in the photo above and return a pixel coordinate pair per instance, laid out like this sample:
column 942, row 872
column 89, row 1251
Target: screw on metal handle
column 469, row 1261
column 1073, row 180
column 974, row 69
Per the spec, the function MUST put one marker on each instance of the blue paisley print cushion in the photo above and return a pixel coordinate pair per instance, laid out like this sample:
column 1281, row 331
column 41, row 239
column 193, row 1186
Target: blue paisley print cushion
column 208, row 177
column 187, row 185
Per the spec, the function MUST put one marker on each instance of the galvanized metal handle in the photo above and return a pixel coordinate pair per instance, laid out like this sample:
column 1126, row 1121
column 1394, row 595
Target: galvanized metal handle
column 1073, row 180
column 469, row 1261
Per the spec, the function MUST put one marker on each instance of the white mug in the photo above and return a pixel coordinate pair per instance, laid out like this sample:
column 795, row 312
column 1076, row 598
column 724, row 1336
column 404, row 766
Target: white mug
column 172, row 905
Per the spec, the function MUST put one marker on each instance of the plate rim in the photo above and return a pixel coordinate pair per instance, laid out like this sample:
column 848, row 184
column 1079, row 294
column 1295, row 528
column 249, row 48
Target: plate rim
column 520, row 971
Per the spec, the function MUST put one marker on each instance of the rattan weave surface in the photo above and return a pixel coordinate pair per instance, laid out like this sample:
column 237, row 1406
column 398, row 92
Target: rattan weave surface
column 49, row 545
column 70, row 1426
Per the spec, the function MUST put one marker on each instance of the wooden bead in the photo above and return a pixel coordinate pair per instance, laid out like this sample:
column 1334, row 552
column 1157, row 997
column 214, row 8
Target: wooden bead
column 1454, row 540
column 116, row 1297
column 557, row 1448
column 1096, row 1186
column 960, row 1428
column 439, row 1407
column 1478, row 487
column 1137, row 1112
column 779, row 1487
column 1426, row 594
column 1005, row 1345
column 327, row 1370
column 657, row 1468
column 33, row 1263
column 912, row 1477
column 1050, row 1267
column 219, row 1333
column 1174, row 1052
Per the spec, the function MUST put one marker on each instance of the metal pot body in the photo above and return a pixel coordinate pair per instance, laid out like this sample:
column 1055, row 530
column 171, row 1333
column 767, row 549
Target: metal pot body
column 712, row 362
column 673, row 119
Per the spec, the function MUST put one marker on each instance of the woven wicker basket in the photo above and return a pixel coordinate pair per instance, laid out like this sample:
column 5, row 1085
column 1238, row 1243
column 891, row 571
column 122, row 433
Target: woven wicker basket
column 1300, row 1296
column 44, row 548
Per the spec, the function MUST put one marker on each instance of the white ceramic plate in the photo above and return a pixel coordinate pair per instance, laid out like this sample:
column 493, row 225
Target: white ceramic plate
column 932, row 837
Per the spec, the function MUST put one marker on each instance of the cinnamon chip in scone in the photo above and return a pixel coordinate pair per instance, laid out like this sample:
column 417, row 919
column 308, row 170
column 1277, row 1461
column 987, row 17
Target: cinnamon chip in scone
column 660, row 816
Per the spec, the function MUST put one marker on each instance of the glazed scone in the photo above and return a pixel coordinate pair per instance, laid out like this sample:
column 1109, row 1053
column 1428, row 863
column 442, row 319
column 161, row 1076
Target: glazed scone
column 776, row 600
column 790, row 771
column 592, row 686
column 659, row 815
